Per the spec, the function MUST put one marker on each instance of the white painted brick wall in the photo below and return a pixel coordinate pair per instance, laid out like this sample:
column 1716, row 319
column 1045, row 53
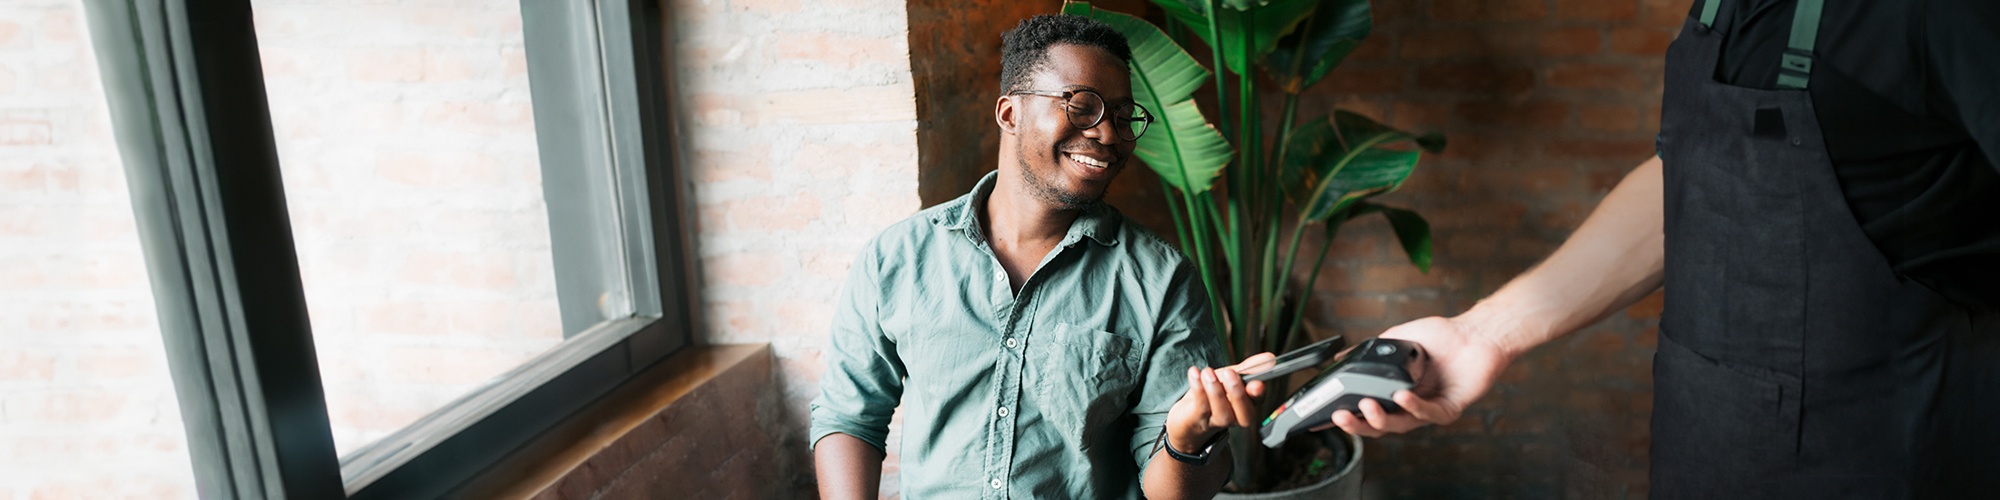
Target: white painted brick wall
column 86, row 407
column 801, row 125
column 406, row 139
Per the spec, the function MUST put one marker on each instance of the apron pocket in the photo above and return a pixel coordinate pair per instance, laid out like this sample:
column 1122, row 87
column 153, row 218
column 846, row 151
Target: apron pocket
column 1720, row 428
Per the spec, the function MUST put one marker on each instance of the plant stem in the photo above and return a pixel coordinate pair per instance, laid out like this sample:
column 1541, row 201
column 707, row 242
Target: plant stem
column 1276, row 276
column 1291, row 257
column 1299, row 313
column 1201, row 257
column 1243, row 192
column 1215, row 57
column 1168, row 192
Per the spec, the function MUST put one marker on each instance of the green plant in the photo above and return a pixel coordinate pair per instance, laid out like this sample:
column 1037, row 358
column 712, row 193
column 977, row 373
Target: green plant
column 1242, row 210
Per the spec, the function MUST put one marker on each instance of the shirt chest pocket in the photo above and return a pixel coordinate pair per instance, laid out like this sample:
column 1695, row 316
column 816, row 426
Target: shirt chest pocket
column 1082, row 377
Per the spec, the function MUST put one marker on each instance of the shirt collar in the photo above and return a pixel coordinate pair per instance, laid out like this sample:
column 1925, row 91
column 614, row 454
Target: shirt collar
column 1099, row 221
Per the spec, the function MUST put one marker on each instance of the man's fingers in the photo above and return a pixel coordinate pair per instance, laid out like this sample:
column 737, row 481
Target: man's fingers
column 1239, row 397
column 1219, row 415
column 1197, row 393
column 1424, row 409
column 1389, row 423
column 1354, row 425
column 1254, row 360
column 1373, row 411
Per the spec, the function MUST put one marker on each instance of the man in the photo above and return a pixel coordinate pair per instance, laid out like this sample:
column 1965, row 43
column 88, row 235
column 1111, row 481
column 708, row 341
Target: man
column 1825, row 217
column 1037, row 341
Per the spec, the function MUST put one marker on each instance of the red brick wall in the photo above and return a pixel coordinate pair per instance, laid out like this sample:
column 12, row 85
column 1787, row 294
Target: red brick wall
column 1547, row 104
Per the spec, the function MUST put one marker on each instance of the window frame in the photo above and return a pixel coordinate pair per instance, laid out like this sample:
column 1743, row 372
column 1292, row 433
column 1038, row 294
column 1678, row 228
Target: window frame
column 184, row 82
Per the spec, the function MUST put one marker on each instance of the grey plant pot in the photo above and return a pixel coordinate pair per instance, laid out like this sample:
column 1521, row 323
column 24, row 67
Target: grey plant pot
column 1342, row 485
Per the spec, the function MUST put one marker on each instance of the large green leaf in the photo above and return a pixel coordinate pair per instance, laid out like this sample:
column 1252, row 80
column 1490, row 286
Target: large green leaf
column 1360, row 160
column 1257, row 27
column 1305, row 56
column 1308, row 146
column 1366, row 172
column 1184, row 149
column 1412, row 231
column 1181, row 145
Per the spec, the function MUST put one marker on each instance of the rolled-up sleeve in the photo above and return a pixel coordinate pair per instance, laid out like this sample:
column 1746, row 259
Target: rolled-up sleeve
column 863, row 382
column 1186, row 338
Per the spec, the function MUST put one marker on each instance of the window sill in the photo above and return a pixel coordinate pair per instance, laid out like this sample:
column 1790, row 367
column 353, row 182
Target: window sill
column 690, row 424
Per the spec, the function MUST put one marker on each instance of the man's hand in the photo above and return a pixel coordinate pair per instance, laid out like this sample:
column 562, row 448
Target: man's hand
column 1462, row 366
column 1217, row 399
column 1617, row 257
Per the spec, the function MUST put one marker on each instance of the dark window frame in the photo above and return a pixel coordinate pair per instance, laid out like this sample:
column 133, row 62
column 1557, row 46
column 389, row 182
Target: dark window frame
column 185, row 85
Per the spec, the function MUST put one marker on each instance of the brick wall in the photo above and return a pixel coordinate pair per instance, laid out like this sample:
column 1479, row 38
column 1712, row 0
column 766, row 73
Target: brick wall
column 1547, row 104
column 799, row 134
column 407, row 143
column 86, row 407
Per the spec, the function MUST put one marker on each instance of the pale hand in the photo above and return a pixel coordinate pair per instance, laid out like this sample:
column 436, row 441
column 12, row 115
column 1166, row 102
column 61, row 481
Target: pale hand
column 1217, row 399
column 1462, row 366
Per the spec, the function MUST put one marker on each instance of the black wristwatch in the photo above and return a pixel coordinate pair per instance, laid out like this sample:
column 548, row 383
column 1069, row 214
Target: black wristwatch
column 1197, row 459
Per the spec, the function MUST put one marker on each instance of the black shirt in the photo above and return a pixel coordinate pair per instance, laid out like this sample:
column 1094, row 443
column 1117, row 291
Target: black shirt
column 1908, row 96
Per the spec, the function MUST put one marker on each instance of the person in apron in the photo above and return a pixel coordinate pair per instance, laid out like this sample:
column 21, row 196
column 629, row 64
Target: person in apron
column 1795, row 359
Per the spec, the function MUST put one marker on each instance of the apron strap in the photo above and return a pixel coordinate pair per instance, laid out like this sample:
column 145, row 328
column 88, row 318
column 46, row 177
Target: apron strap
column 1795, row 69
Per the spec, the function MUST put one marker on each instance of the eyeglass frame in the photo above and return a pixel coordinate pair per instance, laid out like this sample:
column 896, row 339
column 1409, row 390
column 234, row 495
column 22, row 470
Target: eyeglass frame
column 1065, row 95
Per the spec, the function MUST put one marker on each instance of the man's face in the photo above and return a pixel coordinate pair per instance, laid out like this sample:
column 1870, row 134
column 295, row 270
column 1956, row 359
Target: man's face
column 1067, row 167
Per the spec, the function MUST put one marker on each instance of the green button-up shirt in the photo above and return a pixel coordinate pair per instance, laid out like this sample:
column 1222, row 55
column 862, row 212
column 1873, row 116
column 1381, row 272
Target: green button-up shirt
column 1055, row 392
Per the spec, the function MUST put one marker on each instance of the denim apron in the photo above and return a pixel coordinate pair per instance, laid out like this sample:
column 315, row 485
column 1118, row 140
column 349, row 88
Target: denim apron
column 1793, row 361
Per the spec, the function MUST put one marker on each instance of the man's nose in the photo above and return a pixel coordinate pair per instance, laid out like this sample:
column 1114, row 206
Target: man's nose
column 1103, row 133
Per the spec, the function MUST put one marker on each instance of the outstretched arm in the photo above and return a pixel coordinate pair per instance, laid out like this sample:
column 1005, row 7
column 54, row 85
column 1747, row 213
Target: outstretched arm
column 1615, row 258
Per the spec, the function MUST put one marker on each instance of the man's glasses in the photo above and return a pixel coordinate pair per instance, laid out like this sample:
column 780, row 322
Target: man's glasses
column 1086, row 109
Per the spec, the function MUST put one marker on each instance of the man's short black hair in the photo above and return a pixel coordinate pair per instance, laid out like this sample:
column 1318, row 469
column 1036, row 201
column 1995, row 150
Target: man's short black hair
column 1024, row 50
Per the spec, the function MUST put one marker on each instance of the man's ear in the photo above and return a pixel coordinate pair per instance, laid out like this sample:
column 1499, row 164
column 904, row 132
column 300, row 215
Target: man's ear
column 1006, row 114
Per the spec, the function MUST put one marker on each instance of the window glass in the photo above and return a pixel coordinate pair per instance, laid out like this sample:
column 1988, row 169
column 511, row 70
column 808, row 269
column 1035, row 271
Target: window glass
column 407, row 142
column 87, row 406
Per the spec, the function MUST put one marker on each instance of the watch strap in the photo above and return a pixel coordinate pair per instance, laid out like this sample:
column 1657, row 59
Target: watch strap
column 1196, row 459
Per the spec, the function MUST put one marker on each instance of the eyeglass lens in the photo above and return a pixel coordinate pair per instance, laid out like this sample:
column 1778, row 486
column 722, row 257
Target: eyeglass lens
column 1086, row 109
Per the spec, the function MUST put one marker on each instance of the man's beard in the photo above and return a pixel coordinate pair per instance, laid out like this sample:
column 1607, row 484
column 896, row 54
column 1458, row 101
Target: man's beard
column 1047, row 190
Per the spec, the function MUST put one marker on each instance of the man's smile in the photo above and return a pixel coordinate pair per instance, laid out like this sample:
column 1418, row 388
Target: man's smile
column 1092, row 165
column 1086, row 160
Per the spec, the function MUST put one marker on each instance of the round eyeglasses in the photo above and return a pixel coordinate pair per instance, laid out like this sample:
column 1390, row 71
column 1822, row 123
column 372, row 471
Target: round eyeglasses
column 1086, row 109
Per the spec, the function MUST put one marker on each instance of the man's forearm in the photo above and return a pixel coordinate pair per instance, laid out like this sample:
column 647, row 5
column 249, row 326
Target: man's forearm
column 847, row 467
column 1615, row 258
column 1167, row 478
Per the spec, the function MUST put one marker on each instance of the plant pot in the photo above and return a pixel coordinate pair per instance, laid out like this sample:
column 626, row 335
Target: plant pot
column 1342, row 484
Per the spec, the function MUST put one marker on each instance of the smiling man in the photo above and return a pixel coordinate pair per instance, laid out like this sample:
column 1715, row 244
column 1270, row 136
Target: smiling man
column 1040, row 345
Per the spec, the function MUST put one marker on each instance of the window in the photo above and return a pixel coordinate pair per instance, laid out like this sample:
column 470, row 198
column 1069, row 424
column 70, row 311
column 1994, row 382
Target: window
column 406, row 140
column 239, row 235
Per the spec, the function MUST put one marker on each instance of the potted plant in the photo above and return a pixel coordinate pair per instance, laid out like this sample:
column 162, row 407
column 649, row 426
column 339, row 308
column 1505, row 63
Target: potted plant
column 1242, row 207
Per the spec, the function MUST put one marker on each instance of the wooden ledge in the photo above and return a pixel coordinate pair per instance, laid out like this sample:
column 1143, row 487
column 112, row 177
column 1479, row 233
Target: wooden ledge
column 600, row 443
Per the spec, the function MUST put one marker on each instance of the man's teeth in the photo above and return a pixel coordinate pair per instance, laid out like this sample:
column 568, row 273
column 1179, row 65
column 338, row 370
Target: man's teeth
column 1089, row 161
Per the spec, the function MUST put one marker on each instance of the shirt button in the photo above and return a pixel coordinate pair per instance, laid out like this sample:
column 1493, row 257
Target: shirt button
column 1003, row 411
column 1011, row 343
column 996, row 483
